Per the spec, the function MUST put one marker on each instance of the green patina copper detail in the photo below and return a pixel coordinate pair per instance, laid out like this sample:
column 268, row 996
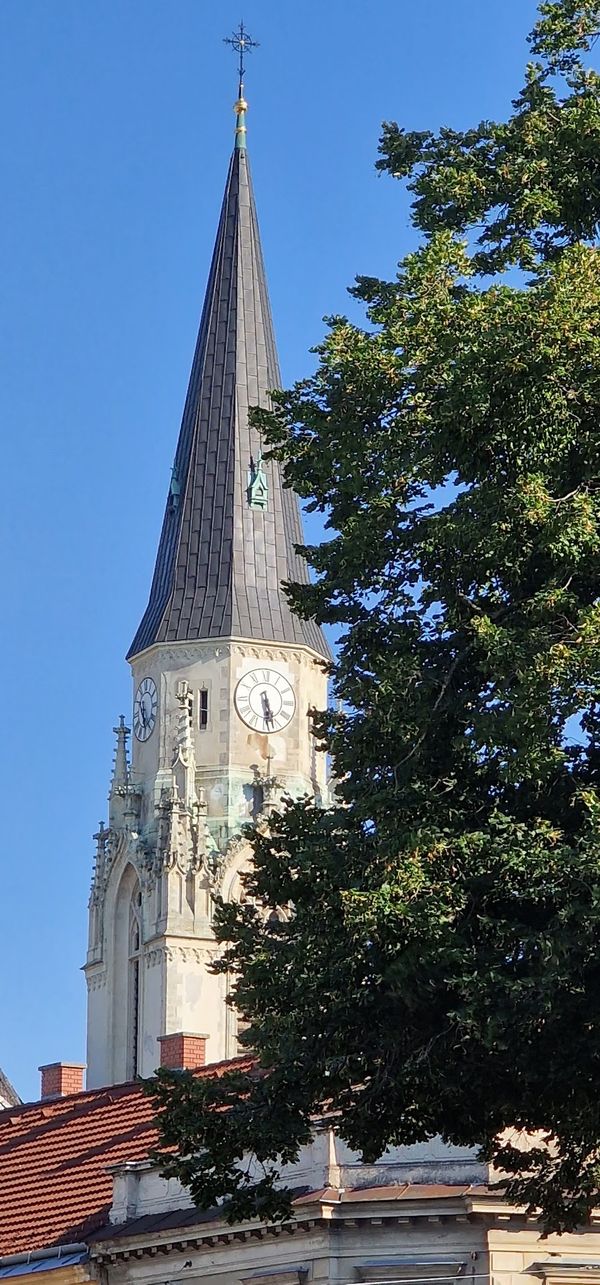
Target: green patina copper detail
column 174, row 490
column 258, row 487
column 240, row 129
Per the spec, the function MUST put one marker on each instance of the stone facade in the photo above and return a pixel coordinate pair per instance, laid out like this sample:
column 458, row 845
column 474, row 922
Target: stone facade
column 173, row 840
column 348, row 1227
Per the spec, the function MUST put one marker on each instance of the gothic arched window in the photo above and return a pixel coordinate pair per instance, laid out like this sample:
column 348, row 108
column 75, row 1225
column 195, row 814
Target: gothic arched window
column 135, row 941
column 127, row 1000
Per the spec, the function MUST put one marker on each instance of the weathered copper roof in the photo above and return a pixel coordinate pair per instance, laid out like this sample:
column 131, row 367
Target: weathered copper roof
column 220, row 561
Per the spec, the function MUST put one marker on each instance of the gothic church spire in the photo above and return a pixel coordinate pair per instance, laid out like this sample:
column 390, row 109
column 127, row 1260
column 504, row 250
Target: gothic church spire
column 221, row 725
column 230, row 526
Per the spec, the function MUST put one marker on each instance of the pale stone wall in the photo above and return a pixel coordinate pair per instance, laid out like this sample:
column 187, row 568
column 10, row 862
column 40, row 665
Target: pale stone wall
column 327, row 1162
column 174, row 816
column 226, row 751
column 433, row 1161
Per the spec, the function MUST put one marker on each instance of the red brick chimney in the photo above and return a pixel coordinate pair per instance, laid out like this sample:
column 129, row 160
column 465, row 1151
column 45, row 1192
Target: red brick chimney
column 61, row 1078
column 182, row 1051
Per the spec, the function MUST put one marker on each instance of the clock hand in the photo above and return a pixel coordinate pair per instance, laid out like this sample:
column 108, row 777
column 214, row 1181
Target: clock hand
column 267, row 711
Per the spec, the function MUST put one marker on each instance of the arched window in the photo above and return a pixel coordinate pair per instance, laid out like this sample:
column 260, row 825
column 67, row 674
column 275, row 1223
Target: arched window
column 133, row 989
column 125, row 1029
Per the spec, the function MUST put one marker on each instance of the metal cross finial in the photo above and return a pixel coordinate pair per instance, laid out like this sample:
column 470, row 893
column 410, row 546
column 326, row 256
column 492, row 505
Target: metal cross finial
column 243, row 43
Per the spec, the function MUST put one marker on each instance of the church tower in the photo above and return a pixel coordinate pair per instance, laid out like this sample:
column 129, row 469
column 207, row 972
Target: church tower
column 224, row 682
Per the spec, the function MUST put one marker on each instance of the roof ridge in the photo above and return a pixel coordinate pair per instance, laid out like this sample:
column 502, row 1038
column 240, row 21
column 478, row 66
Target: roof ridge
column 113, row 1091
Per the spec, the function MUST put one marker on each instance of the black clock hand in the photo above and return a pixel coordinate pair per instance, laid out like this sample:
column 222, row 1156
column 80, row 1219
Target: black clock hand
column 267, row 711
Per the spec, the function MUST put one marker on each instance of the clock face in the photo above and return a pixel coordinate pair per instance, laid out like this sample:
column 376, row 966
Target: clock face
column 144, row 709
column 265, row 700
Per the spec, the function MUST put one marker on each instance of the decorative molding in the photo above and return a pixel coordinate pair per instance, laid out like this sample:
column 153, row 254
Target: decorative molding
column 118, row 846
column 272, row 652
column 178, row 655
column 236, row 852
column 173, row 954
column 96, row 981
column 217, row 1235
column 324, row 1212
column 184, row 653
column 154, row 956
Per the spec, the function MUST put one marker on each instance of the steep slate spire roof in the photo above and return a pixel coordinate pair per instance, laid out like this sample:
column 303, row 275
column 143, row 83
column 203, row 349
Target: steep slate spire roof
column 220, row 562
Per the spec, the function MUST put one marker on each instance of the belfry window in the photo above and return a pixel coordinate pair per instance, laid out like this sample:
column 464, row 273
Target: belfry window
column 203, row 709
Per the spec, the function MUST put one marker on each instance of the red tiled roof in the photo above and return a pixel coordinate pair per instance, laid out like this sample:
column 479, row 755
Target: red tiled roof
column 54, row 1184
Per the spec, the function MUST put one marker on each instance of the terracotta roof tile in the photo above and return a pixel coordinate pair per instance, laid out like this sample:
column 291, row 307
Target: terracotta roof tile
column 55, row 1187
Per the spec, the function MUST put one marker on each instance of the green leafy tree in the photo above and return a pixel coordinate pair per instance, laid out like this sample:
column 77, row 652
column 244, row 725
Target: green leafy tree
column 440, row 972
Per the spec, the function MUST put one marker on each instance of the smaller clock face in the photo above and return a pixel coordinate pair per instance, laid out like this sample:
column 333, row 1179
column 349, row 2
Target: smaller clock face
column 144, row 709
column 264, row 700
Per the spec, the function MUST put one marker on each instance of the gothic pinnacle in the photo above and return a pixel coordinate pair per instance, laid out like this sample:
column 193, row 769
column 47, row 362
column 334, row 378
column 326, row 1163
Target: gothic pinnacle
column 120, row 777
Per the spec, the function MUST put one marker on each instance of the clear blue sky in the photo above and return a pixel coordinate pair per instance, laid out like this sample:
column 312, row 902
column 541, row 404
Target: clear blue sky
column 116, row 124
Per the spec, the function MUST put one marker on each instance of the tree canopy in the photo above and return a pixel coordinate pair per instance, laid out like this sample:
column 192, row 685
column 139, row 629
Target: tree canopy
column 440, row 972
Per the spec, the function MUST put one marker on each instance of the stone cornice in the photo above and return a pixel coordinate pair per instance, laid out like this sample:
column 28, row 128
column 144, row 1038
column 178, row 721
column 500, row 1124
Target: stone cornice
column 188, row 652
column 192, row 1238
column 318, row 1210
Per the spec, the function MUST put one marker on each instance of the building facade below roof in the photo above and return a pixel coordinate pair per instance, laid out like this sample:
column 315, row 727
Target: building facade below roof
column 82, row 1202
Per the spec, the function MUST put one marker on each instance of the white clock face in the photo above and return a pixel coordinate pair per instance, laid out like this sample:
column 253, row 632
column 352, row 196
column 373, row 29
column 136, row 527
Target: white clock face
column 265, row 700
column 144, row 709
